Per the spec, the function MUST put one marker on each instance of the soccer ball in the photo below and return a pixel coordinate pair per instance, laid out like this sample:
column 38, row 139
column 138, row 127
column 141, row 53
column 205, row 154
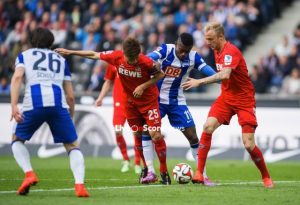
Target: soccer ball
column 182, row 173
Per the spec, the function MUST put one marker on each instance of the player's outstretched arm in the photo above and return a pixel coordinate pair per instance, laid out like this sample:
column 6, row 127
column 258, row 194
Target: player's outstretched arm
column 222, row 75
column 16, row 83
column 105, row 88
column 82, row 53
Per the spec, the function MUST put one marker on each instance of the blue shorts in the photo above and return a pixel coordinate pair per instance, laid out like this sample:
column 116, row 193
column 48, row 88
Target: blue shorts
column 179, row 115
column 58, row 119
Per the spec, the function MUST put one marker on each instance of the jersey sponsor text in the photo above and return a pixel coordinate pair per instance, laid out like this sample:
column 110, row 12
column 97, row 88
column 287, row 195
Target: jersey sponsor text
column 173, row 72
column 130, row 73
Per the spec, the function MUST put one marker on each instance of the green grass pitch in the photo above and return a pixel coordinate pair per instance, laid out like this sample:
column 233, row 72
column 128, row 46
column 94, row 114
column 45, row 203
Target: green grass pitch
column 239, row 183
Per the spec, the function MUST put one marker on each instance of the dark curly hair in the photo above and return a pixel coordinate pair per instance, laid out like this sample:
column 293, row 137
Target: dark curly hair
column 41, row 38
column 186, row 39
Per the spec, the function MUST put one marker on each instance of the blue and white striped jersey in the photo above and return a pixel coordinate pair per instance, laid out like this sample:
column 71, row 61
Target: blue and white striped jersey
column 176, row 72
column 45, row 71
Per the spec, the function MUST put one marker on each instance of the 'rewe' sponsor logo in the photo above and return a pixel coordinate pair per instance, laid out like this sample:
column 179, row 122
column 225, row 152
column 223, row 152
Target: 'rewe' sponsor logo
column 130, row 73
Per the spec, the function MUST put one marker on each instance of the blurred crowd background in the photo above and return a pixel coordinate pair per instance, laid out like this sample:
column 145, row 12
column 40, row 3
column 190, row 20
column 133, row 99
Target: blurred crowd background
column 103, row 24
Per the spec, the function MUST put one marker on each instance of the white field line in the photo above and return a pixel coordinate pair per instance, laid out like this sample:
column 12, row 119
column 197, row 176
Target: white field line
column 146, row 186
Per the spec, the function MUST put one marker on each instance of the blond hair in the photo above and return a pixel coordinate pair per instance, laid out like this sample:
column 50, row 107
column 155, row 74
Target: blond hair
column 216, row 27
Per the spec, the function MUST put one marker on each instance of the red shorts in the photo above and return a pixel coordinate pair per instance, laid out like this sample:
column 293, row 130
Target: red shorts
column 223, row 113
column 146, row 114
column 119, row 117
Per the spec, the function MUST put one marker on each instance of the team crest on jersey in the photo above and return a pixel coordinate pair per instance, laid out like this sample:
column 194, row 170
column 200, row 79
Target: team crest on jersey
column 227, row 59
column 172, row 71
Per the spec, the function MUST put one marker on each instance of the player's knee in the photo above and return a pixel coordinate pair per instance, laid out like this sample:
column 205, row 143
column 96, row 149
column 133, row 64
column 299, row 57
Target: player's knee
column 156, row 136
column 193, row 139
column 208, row 127
column 71, row 146
column 138, row 147
column 118, row 133
column 15, row 138
column 247, row 146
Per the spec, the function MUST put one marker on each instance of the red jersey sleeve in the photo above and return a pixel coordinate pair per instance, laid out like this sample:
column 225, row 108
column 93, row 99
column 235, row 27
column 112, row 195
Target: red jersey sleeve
column 110, row 73
column 232, row 58
column 149, row 64
column 110, row 56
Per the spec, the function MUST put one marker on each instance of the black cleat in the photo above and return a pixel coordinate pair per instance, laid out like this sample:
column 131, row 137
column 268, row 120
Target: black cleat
column 143, row 174
column 165, row 178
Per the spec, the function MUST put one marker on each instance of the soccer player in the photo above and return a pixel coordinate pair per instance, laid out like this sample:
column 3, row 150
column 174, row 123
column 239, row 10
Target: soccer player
column 48, row 96
column 138, row 75
column 177, row 60
column 112, row 78
column 237, row 97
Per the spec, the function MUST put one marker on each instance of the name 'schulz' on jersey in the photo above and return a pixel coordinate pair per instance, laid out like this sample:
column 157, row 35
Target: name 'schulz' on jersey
column 131, row 73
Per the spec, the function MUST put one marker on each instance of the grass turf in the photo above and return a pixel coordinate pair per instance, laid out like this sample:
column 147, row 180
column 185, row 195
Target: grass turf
column 239, row 183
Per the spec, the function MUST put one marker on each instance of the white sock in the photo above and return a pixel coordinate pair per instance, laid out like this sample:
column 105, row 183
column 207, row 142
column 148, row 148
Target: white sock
column 21, row 155
column 194, row 149
column 77, row 165
column 148, row 152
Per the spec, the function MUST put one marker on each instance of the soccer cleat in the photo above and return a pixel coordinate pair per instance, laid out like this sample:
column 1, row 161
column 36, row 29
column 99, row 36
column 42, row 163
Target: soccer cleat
column 150, row 178
column 198, row 178
column 165, row 178
column 143, row 174
column 268, row 183
column 125, row 166
column 80, row 191
column 137, row 169
column 29, row 180
column 208, row 182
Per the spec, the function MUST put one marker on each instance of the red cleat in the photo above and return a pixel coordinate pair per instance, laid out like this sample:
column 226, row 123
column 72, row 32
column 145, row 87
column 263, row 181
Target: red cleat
column 198, row 178
column 29, row 180
column 81, row 191
column 268, row 183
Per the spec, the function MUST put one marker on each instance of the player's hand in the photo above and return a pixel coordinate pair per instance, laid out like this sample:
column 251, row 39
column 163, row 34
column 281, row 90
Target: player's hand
column 190, row 83
column 63, row 51
column 16, row 114
column 98, row 102
column 138, row 91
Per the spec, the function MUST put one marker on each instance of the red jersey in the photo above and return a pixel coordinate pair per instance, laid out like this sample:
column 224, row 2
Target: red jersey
column 118, row 92
column 132, row 76
column 238, row 90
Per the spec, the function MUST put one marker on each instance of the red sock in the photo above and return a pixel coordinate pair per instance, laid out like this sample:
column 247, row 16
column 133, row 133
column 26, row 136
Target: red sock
column 204, row 146
column 137, row 158
column 123, row 147
column 161, row 151
column 259, row 161
column 138, row 148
